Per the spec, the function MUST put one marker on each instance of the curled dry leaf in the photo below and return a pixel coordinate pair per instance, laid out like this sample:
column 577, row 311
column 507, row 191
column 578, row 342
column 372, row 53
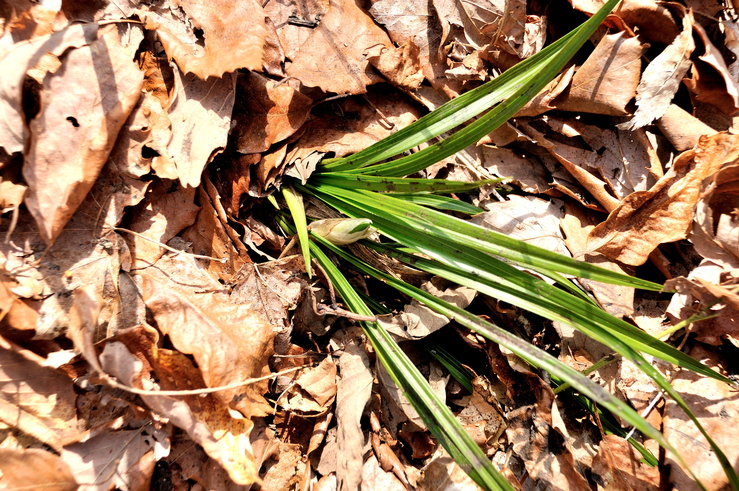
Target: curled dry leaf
column 645, row 219
column 34, row 468
column 169, row 209
column 682, row 128
column 233, row 36
column 711, row 81
column 78, row 124
column 617, row 466
column 229, row 342
column 662, row 77
column 119, row 458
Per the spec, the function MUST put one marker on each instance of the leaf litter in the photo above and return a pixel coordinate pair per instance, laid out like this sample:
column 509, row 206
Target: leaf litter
column 138, row 256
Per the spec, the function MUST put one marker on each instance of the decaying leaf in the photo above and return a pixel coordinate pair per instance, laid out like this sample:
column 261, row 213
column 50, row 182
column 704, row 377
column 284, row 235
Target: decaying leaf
column 75, row 131
column 16, row 62
column 607, row 81
column 201, row 118
column 267, row 114
column 646, row 219
column 353, row 394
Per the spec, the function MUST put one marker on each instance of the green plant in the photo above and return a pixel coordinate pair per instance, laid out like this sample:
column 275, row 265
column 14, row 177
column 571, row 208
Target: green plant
column 368, row 186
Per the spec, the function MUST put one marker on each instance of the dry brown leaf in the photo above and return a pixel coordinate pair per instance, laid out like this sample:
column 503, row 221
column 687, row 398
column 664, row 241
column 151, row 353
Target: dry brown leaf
column 714, row 229
column 617, row 467
column 340, row 41
column 134, row 355
column 117, row 458
column 314, row 389
column 574, row 160
column 646, row 219
column 74, row 133
column 209, row 236
column 650, row 19
column 232, row 36
column 87, row 254
column 229, row 342
column 355, row 125
column 412, row 23
column 143, row 139
column 36, row 400
column 442, row 473
column 15, row 63
column 527, row 173
column 526, row 218
column 576, row 225
column 607, row 81
column 716, row 405
column 353, row 393
column 201, row 119
column 619, row 157
column 169, row 209
column 711, row 81
column 267, row 113
column 34, row 468
column 661, row 79
column 402, row 65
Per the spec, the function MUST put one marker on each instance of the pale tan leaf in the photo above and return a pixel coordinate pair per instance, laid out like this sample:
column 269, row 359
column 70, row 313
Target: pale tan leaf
column 233, row 36
column 35, row 399
column 662, row 78
column 646, row 219
column 714, row 229
column 340, row 41
column 201, row 119
column 682, row 128
column 34, row 468
column 229, row 342
column 383, row 113
column 14, row 65
column 608, row 79
column 441, row 473
column 84, row 105
column 354, row 391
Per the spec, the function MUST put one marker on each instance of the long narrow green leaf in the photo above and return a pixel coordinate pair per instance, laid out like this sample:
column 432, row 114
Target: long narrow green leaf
column 426, row 221
column 472, row 103
column 478, row 270
column 437, row 416
column 530, row 83
column 535, row 356
column 439, row 202
column 297, row 210
column 398, row 185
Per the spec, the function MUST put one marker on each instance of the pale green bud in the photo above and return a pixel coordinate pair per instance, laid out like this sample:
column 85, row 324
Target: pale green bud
column 342, row 231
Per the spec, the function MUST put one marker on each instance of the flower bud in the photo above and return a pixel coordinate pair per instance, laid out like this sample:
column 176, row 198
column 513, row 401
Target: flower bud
column 342, row 231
